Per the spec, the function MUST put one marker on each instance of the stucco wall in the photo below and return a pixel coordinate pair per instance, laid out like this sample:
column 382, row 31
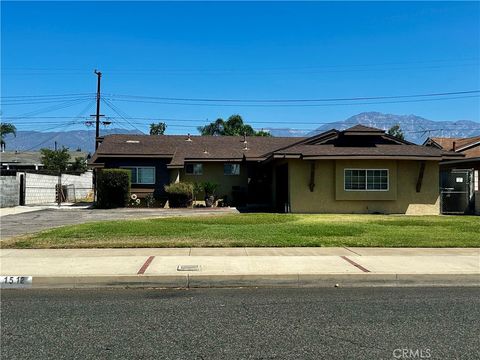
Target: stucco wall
column 329, row 197
column 477, row 203
column 9, row 191
column 213, row 172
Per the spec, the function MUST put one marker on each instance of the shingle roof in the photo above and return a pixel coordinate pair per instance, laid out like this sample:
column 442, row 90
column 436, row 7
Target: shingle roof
column 447, row 143
column 362, row 129
column 32, row 157
column 199, row 147
column 331, row 144
column 376, row 151
column 470, row 146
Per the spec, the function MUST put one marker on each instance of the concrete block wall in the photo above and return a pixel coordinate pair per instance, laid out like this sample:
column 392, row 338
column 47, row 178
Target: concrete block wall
column 78, row 186
column 40, row 189
column 9, row 194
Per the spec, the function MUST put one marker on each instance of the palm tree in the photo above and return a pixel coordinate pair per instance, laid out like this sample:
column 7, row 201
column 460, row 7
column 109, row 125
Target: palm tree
column 6, row 129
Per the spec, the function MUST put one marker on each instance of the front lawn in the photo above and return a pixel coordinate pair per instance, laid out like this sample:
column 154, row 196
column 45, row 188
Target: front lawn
column 263, row 230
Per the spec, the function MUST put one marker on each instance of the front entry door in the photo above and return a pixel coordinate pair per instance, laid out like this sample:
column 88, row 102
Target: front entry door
column 281, row 189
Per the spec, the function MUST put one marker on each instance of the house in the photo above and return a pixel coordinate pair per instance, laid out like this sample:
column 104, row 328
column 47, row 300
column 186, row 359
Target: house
column 358, row 170
column 29, row 160
column 459, row 178
column 470, row 146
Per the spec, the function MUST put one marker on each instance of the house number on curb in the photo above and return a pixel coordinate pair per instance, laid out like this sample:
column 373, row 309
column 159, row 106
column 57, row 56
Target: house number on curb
column 188, row 268
column 15, row 281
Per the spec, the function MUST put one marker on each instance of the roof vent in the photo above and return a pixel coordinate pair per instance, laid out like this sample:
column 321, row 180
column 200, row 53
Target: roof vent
column 132, row 142
column 246, row 146
column 245, row 137
column 205, row 151
column 189, row 138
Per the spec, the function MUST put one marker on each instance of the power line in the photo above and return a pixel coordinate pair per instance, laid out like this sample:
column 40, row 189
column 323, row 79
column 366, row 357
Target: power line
column 119, row 112
column 293, row 105
column 45, row 96
column 362, row 98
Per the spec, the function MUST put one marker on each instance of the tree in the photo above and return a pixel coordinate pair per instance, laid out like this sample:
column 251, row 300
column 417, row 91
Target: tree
column 5, row 129
column 396, row 131
column 234, row 126
column 55, row 161
column 79, row 165
column 158, row 129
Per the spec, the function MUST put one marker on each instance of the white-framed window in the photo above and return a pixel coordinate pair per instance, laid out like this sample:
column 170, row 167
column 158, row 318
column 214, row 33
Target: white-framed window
column 231, row 169
column 366, row 180
column 194, row 169
column 141, row 174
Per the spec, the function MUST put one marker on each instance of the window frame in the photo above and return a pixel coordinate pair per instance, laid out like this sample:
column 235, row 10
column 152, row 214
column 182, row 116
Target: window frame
column 231, row 163
column 193, row 173
column 366, row 179
column 136, row 172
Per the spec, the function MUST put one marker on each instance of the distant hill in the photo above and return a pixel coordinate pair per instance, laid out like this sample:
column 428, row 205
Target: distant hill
column 416, row 128
column 74, row 139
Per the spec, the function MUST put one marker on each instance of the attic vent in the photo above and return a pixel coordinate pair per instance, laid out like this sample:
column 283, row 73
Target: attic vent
column 132, row 142
column 188, row 138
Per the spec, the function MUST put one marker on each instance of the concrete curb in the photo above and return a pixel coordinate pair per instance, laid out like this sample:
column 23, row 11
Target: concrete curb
column 287, row 280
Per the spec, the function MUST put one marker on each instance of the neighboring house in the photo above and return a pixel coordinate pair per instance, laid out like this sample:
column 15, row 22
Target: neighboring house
column 470, row 147
column 459, row 179
column 358, row 170
column 29, row 160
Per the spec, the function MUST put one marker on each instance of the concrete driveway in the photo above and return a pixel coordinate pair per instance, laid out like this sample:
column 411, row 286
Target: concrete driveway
column 34, row 221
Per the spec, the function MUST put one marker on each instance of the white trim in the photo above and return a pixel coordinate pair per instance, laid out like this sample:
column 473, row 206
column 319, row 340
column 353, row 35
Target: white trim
column 142, row 167
column 366, row 176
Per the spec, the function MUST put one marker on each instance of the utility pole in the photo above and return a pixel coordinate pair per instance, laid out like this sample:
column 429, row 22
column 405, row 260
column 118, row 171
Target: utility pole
column 97, row 115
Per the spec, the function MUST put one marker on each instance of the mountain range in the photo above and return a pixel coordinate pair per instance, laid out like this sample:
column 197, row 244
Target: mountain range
column 415, row 128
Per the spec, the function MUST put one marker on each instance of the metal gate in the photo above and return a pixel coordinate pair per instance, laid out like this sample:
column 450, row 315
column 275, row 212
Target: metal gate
column 455, row 194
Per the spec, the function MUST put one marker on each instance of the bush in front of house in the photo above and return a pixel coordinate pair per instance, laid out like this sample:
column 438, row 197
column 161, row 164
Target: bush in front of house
column 179, row 194
column 113, row 188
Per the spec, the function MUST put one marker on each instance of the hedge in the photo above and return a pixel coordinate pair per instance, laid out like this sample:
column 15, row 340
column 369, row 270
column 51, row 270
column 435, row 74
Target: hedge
column 113, row 188
column 179, row 194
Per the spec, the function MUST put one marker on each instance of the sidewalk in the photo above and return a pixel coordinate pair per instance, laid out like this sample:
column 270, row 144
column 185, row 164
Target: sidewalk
column 231, row 267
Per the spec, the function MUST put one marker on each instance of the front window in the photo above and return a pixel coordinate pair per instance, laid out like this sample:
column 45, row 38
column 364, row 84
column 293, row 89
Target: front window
column 366, row 179
column 231, row 169
column 194, row 169
column 142, row 175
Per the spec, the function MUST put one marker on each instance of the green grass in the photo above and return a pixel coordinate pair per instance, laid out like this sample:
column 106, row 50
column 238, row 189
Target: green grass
column 263, row 230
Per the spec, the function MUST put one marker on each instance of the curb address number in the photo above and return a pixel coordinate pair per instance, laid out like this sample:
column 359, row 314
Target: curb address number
column 15, row 281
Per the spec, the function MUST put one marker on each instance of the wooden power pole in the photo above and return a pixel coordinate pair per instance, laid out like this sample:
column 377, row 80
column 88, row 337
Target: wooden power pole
column 97, row 114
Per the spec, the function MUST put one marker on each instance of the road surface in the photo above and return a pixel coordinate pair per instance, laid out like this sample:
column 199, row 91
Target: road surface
column 363, row 323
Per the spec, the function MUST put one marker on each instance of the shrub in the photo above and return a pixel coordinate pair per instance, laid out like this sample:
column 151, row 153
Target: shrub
column 113, row 188
column 210, row 188
column 179, row 194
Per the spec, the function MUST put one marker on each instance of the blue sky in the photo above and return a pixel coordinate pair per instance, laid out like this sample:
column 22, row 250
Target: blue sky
column 237, row 51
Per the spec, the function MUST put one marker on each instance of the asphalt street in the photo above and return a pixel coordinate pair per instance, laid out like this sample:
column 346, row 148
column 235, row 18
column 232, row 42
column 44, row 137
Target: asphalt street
column 337, row 323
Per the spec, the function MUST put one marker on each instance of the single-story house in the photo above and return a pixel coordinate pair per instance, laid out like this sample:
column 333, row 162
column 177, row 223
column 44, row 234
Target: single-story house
column 358, row 170
column 29, row 160
column 459, row 178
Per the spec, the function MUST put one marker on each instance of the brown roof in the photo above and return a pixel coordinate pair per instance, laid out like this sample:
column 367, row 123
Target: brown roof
column 377, row 151
column 469, row 146
column 358, row 141
column 183, row 147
